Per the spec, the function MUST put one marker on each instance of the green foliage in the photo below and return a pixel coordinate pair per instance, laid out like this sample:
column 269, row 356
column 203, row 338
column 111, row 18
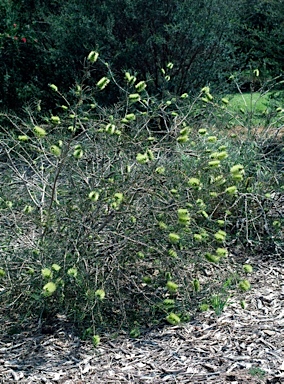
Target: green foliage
column 171, row 40
column 117, row 224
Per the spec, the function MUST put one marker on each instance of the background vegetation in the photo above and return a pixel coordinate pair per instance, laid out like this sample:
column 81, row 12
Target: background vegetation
column 45, row 42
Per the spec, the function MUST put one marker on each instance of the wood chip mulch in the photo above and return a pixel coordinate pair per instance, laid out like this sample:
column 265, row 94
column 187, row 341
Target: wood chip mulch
column 239, row 346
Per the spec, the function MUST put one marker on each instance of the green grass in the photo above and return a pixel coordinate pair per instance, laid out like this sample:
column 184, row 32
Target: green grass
column 255, row 109
column 249, row 102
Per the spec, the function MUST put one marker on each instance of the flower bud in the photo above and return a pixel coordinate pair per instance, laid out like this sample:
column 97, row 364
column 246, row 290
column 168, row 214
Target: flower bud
column 39, row 132
column 173, row 319
column 93, row 56
column 102, row 83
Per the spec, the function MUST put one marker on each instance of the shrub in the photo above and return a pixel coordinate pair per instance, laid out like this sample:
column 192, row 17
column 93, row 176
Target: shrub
column 116, row 225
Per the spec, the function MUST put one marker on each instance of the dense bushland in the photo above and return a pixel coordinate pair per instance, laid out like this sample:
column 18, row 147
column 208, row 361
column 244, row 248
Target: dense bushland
column 129, row 216
column 44, row 42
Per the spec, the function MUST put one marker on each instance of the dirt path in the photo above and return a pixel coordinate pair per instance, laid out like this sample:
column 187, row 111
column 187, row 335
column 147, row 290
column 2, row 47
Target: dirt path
column 239, row 346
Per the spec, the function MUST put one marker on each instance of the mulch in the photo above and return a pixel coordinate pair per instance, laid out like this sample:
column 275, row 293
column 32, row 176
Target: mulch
column 238, row 346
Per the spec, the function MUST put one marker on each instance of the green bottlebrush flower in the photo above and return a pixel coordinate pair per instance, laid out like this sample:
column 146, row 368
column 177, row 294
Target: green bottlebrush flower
column 238, row 168
column 237, row 176
column 142, row 158
column 72, row 272
column 49, row 289
column 205, row 89
column 9, row 204
column 134, row 97
column 219, row 155
column 160, row 170
column 55, row 120
column 174, row 238
column 172, row 287
column 221, row 223
column 169, row 303
column 118, row 197
column 225, row 100
column 213, row 194
column 212, row 139
column 204, row 307
column 276, row 224
column 214, row 163
column 94, row 195
column 96, row 340
column 162, row 225
column 211, row 258
column 196, row 285
column 110, row 128
column 222, row 252
column 173, row 319
column 100, row 294
column 56, row 267
column 202, row 131
column 30, row 271
column 197, row 237
column 53, row 87
column 247, row 268
column 39, row 132
column 55, row 150
column 244, row 285
column 183, row 216
column 204, row 214
column 209, row 96
column 140, row 255
column 102, row 83
column 78, row 152
column 184, row 96
column 201, row 203
column 194, row 182
column 220, row 235
column 64, row 107
column 140, row 86
column 174, row 191
column 185, row 130
column 170, row 65
column 182, row 139
column 130, row 117
column 172, row 253
column 256, row 72
column 23, row 138
column 93, row 56
column 128, row 77
column 231, row 190
column 46, row 273
column 2, row 272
